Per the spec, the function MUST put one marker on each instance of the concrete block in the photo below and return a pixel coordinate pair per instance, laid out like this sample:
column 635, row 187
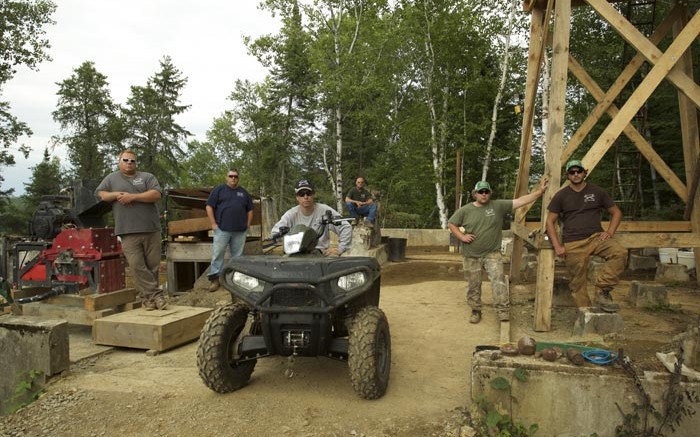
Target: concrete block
column 561, row 295
column 589, row 322
column 646, row 294
column 565, row 400
column 650, row 251
column 640, row 262
column 30, row 344
column 671, row 273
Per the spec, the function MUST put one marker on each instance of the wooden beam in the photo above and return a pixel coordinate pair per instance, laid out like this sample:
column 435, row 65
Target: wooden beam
column 642, row 93
column 96, row 302
column 555, row 137
column 622, row 80
column 525, row 234
column 665, row 239
column 626, row 226
column 652, row 54
column 632, row 133
column 539, row 29
column 689, row 132
column 177, row 227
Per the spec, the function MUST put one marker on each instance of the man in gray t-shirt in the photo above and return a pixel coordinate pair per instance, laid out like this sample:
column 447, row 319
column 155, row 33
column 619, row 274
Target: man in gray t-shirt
column 310, row 213
column 133, row 195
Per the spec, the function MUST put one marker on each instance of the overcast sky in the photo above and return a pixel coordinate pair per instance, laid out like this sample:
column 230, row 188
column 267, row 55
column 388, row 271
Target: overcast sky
column 126, row 39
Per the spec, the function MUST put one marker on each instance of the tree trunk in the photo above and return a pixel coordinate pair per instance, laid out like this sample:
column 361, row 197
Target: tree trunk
column 497, row 101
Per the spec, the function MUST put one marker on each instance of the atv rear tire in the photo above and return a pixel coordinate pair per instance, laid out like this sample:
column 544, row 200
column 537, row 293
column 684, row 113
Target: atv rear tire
column 369, row 353
column 217, row 366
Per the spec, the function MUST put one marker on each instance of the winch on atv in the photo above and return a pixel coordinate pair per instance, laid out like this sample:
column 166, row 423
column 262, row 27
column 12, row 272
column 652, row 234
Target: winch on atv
column 299, row 304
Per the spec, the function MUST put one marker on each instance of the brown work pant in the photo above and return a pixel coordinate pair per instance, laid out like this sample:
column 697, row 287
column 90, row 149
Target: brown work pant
column 493, row 265
column 578, row 254
column 142, row 253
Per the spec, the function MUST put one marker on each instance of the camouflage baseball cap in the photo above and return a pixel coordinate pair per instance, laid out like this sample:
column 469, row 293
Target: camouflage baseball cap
column 482, row 185
column 575, row 163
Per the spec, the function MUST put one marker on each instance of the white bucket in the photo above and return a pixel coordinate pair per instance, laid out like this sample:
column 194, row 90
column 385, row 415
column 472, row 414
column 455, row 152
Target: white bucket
column 668, row 255
column 687, row 258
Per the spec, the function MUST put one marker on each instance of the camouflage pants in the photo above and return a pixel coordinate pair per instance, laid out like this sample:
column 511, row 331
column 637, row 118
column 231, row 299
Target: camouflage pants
column 578, row 254
column 494, row 268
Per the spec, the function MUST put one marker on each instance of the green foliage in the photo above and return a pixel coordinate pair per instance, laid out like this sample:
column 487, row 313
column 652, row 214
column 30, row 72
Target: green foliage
column 86, row 112
column 149, row 119
column 664, row 308
column 46, row 180
column 493, row 422
column 22, row 25
column 15, row 216
column 28, row 388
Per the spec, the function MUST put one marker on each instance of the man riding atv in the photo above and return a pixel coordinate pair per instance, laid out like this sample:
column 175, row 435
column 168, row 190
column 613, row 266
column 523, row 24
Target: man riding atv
column 310, row 213
column 300, row 304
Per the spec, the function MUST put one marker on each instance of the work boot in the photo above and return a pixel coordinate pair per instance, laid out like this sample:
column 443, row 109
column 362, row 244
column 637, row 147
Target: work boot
column 369, row 224
column 475, row 317
column 605, row 301
column 159, row 302
column 148, row 304
column 215, row 284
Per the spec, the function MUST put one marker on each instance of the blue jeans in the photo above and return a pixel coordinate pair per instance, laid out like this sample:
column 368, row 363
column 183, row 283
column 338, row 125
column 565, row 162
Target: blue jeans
column 364, row 211
column 235, row 241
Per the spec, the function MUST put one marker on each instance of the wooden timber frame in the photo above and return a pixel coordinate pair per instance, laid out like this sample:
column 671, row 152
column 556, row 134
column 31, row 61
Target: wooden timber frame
column 674, row 65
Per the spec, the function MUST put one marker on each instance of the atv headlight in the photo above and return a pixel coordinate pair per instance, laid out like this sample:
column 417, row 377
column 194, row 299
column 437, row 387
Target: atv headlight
column 248, row 282
column 353, row 280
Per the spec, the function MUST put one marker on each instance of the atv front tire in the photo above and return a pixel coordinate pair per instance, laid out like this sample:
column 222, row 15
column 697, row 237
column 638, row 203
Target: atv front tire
column 217, row 366
column 369, row 353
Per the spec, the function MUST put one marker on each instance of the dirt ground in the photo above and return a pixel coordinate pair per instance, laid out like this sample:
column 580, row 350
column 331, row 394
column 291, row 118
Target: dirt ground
column 125, row 392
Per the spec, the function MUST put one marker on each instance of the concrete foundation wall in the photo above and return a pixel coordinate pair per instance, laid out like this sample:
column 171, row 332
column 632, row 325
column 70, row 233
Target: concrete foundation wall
column 420, row 237
column 569, row 401
column 29, row 344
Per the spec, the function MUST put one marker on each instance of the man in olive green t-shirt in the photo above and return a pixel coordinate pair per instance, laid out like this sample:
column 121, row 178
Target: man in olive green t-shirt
column 482, row 221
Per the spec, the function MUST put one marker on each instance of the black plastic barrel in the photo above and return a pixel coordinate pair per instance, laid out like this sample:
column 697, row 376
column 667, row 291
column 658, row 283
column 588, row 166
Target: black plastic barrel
column 397, row 249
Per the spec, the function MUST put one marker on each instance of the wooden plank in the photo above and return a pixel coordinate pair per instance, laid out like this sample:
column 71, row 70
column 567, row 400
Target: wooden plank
column 71, row 300
column 505, row 332
column 555, row 137
column 544, row 290
column 642, row 93
column 622, row 80
column 650, row 226
column 73, row 315
column 663, row 239
column 176, row 227
column 522, row 232
column 639, row 141
column 690, row 135
column 96, row 302
column 157, row 330
column 652, row 54
column 538, row 37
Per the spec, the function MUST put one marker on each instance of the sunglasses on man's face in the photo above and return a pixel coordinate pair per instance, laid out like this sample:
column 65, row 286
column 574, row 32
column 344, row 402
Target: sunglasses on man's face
column 484, row 192
column 130, row 161
column 305, row 194
column 575, row 172
column 234, row 176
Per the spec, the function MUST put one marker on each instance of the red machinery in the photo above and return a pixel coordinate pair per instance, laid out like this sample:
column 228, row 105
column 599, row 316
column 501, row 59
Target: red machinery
column 74, row 250
column 76, row 259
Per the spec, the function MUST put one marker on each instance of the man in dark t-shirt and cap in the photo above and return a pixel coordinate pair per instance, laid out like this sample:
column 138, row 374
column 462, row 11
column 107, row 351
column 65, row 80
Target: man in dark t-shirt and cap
column 579, row 206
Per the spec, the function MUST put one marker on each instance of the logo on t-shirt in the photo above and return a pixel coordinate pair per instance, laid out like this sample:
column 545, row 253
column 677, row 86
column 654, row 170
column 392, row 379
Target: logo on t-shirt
column 240, row 194
column 588, row 198
column 489, row 212
column 137, row 181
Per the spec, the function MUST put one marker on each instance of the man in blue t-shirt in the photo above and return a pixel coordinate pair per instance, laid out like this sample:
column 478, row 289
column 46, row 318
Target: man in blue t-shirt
column 230, row 212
